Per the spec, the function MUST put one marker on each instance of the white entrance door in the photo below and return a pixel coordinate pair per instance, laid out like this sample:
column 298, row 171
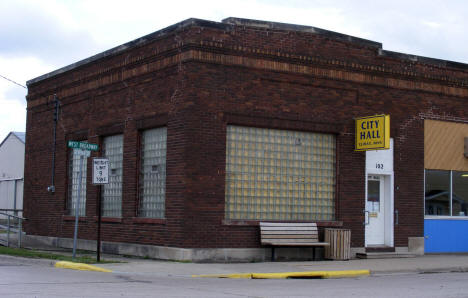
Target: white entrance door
column 375, row 211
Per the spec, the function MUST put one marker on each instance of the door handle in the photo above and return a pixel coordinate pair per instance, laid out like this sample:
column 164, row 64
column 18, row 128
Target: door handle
column 366, row 218
column 396, row 217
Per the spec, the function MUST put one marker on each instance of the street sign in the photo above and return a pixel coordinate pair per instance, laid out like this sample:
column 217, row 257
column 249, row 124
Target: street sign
column 83, row 146
column 100, row 170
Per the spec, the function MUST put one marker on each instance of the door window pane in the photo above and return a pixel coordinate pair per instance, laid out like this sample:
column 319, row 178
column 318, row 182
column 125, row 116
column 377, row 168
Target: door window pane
column 437, row 192
column 373, row 195
column 460, row 193
column 373, row 191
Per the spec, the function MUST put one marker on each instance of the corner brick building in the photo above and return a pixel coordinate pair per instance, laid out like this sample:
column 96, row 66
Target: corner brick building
column 212, row 127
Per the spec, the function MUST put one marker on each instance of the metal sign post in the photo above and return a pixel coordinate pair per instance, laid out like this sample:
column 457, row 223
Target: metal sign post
column 83, row 150
column 100, row 176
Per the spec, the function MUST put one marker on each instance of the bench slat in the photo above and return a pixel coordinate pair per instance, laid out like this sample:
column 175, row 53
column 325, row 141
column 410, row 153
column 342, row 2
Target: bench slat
column 289, row 232
column 288, row 229
column 284, row 224
column 313, row 237
column 296, row 243
column 291, row 240
column 301, row 234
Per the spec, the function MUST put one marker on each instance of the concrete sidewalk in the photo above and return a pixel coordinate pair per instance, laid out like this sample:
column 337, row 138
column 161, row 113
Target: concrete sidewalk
column 421, row 264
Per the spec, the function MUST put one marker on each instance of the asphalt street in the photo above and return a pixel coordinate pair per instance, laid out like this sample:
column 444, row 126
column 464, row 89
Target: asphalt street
column 29, row 278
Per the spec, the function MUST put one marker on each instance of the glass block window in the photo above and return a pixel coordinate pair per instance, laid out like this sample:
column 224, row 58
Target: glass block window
column 73, row 184
column 153, row 173
column 112, row 192
column 279, row 174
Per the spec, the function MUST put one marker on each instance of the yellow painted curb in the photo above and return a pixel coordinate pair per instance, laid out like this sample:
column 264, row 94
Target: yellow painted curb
column 345, row 273
column 283, row 275
column 235, row 275
column 79, row 266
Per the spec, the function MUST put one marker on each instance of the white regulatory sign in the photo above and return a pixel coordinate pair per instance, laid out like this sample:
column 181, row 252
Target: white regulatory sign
column 100, row 170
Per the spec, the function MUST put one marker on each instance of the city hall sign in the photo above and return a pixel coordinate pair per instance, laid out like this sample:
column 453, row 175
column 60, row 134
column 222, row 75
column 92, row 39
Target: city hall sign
column 373, row 133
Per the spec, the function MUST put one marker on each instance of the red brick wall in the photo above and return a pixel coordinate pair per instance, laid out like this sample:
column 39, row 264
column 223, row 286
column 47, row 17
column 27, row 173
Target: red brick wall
column 165, row 82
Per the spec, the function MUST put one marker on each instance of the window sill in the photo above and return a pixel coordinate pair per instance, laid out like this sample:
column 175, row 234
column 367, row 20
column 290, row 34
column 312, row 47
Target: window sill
column 239, row 222
column 109, row 219
column 144, row 220
column 446, row 217
column 72, row 218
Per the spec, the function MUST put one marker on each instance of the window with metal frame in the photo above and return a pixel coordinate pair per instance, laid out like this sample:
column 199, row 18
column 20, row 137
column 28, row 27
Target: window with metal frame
column 274, row 174
column 73, row 184
column 112, row 192
column 153, row 173
column 446, row 193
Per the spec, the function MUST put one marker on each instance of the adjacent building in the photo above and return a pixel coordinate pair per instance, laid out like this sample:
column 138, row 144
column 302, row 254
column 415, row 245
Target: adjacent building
column 12, row 172
column 213, row 127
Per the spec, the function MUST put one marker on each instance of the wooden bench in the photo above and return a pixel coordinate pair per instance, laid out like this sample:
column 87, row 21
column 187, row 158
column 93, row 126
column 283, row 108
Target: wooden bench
column 290, row 234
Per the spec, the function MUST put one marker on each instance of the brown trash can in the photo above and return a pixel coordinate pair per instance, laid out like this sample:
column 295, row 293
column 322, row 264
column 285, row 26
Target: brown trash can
column 340, row 244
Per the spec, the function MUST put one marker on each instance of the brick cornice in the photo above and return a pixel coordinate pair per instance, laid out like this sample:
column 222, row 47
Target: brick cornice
column 269, row 60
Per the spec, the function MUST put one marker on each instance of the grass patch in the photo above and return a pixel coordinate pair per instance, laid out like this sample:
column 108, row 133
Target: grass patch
column 31, row 253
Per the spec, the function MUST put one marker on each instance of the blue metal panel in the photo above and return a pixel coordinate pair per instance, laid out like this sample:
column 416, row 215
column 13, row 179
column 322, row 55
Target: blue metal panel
column 445, row 235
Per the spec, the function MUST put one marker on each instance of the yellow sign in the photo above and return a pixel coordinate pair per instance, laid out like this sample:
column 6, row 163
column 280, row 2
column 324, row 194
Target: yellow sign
column 373, row 133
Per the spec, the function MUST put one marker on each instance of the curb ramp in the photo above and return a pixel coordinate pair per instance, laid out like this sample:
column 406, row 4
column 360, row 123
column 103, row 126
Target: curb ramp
column 79, row 266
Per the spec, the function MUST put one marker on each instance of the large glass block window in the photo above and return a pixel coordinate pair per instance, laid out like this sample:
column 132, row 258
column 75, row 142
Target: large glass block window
column 74, row 182
column 112, row 192
column 446, row 193
column 153, row 173
column 276, row 174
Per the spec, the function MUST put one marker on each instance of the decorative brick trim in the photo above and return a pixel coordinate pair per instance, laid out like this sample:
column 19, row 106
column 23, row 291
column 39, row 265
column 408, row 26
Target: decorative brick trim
column 267, row 60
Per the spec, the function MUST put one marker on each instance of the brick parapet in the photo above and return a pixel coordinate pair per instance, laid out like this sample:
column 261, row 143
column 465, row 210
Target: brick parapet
column 233, row 47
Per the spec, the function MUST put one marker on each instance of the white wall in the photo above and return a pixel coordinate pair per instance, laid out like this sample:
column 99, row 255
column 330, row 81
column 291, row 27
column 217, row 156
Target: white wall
column 11, row 170
column 12, row 158
column 7, row 195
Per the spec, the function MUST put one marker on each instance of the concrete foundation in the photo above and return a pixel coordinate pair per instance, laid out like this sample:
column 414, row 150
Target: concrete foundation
column 202, row 255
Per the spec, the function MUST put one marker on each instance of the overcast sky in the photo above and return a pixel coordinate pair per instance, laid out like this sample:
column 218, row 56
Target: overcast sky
column 37, row 37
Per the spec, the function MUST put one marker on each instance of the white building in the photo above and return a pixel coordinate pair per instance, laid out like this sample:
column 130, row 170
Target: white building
column 12, row 171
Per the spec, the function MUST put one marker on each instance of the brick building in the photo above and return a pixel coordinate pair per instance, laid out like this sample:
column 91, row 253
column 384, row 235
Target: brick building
column 212, row 127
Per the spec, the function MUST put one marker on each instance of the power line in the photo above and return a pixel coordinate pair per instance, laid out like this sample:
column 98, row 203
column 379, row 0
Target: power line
column 13, row 82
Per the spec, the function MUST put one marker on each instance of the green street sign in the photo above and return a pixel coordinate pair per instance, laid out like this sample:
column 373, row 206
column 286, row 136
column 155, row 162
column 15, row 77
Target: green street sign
column 83, row 146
